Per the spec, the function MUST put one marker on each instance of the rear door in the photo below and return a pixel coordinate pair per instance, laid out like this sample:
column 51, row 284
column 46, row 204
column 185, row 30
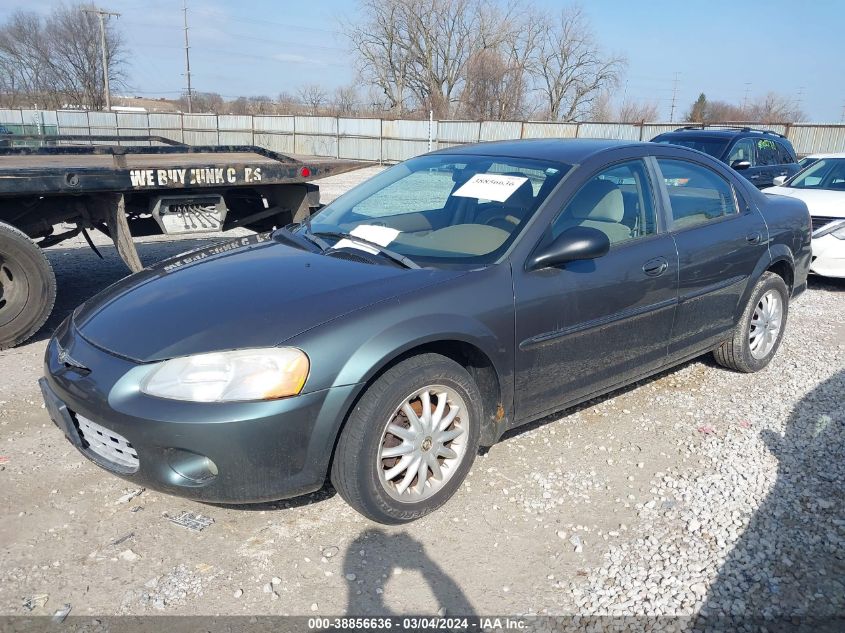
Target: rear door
column 744, row 150
column 592, row 324
column 720, row 239
column 768, row 161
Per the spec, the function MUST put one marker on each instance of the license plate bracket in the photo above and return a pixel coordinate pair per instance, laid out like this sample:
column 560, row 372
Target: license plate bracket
column 59, row 413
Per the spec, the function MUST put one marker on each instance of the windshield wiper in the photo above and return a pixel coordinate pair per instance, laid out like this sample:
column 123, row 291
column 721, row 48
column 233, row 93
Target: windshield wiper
column 296, row 239
column 392, row 255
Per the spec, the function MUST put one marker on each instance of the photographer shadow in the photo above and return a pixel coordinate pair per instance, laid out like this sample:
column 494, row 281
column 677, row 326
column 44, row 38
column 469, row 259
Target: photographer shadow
column 385, row 554
column 787, row 571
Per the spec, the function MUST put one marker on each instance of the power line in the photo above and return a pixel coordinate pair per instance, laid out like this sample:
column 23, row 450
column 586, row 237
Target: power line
column 674, row 97
column 187, row 54
column 103, row 15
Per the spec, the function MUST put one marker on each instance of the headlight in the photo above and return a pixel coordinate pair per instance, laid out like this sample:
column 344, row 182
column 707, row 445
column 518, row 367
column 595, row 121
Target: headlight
column 246, row 374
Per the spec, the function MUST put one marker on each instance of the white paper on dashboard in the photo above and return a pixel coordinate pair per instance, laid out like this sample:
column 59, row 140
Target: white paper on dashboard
column 490, row 187
column 381, row 235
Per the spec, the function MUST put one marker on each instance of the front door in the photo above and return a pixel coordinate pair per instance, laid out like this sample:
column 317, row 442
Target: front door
column 592, row 324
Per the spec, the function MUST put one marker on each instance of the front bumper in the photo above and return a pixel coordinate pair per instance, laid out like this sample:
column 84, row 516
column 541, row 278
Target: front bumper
column 262, row 451
column 828, row 256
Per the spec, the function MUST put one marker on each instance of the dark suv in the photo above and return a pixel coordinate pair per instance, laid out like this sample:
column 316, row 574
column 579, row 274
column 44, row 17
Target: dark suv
column 760, row 155
column 5, row 133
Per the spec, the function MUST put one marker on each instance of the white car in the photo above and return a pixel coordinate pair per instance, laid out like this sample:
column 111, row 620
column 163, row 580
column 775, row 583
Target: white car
column 821, row 186
column 806, row 162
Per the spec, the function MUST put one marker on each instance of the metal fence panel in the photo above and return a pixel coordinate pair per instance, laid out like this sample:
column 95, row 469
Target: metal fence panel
column 359, row 127
column 360, row 148
column 397, row 150
column 235, row 138
column 650, row 130
column 234, row 122
column 13, row 117
column 459, row 131
column 201, row 138
column 500, row 130
column 199, row 121
column 314, row 145
column 274, row 123
column 282, row 143
column 623, row 131
column 162, row 120
column 813, row 139
column 316, row 125
column 535, row 129
column 409, row 130
column 133, row 121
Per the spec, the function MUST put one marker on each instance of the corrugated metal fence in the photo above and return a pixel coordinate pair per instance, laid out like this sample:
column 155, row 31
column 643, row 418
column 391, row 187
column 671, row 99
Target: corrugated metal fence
column 380, row 140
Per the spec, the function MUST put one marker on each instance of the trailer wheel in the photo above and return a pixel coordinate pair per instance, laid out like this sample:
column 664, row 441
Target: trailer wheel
column 27, row 287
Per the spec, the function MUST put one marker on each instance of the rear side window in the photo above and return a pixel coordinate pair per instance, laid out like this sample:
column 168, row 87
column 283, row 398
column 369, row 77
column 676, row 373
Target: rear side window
column 697, row 194
column 767, row 152
column 786, row 156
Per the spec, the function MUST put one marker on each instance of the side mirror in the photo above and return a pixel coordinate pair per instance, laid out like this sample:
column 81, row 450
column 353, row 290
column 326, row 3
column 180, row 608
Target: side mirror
column 579, row 242
column 777, row 181
column 739, row 165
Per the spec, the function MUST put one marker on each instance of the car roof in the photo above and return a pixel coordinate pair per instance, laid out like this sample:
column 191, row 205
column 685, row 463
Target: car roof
column 723, row 133
column 563, row 150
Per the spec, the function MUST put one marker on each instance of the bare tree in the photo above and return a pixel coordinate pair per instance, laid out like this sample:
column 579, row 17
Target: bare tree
column 774, row 108
column 313, row 97
column 571, row 70
column 202, row 102
column 638, row 112
column 56, row 61
column 345, row 100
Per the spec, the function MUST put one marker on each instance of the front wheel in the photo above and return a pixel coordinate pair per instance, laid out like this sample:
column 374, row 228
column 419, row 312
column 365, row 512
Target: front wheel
column 410, row 441
column 758, row 334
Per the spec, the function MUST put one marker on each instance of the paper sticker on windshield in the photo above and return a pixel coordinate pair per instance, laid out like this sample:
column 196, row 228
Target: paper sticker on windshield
column 490, row 187
column 381, row 235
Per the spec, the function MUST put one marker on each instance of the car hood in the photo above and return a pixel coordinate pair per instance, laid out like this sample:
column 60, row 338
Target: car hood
column 252, row 292
column 823, row 202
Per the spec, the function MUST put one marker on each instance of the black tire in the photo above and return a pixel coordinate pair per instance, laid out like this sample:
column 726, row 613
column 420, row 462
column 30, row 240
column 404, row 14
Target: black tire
column 27, row 287
column 355, row 469
column 735, row 353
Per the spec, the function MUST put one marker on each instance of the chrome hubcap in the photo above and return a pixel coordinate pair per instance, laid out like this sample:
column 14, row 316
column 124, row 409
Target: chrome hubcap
column 765, row 324
column 423, row 443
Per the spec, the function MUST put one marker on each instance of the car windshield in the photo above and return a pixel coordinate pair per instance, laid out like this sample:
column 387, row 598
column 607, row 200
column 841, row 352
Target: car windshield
column 707, row 144
column 826, row 173
column 440, row 209
column 807, row 161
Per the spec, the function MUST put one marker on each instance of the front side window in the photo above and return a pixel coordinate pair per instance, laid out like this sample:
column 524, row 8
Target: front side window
column 827, row 173
column 442, row 209
column 742, row 150
column 697, row 194
column 617, row 202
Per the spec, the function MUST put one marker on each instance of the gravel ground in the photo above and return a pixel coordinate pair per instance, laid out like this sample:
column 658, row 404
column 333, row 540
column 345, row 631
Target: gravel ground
column 700, row 493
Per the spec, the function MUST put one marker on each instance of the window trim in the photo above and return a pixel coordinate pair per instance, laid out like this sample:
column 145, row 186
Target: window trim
column 669, row 216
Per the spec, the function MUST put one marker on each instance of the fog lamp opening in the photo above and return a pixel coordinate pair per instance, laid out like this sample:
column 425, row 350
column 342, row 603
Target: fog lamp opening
column 197, row 469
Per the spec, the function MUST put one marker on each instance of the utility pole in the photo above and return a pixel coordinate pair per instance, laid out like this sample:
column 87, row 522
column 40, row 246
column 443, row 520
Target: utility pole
column 187, row 55
column 674, row 97
column 102, row 15
column 745, row 98
column 799, row 98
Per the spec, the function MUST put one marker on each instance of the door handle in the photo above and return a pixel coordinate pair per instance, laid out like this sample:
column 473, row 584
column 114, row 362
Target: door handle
column 754, row 238
column 754, row 176
column 655, row 267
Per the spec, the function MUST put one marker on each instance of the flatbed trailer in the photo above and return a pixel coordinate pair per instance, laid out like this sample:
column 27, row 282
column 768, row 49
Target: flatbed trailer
column 70, row 185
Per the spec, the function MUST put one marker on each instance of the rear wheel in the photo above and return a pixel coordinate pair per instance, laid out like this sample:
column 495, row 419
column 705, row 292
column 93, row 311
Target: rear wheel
column 27, row 287
column 758, row 334
column 410, row 441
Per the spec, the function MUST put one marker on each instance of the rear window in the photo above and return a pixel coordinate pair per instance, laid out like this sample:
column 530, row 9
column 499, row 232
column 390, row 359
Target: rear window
column 712, row 145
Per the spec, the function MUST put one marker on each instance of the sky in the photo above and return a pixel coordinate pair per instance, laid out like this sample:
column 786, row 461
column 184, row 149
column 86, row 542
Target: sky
column 722, row 48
